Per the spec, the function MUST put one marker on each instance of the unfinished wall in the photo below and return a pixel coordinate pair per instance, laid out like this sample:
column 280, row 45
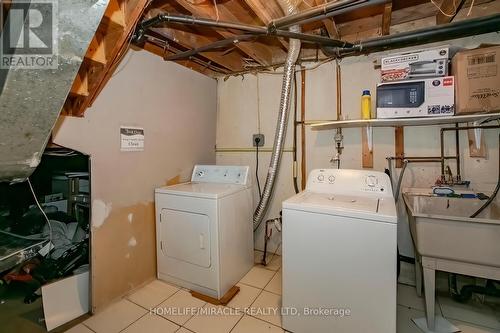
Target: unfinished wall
column 177, row 109
column 238, row 119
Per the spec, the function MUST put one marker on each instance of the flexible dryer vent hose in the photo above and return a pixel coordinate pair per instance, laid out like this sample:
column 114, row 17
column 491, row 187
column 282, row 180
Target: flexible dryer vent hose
column 289, row 7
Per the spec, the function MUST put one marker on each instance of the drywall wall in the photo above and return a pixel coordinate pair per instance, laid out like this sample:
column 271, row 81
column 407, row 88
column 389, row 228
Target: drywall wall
column 177, row 109
column 244, row 110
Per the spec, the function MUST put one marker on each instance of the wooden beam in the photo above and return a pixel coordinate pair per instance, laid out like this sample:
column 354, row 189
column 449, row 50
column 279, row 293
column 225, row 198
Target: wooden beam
column 114, row 15
column 328, row 23
column 399, row 148
column 386, row 18
column 257, row 51
column 231, row 61
column 331, row 28
column 97, row 49
column 155, row 49
column 367, row 154
column 266, row 12
column 449, row 9
column 80, row 86
column 99, row 77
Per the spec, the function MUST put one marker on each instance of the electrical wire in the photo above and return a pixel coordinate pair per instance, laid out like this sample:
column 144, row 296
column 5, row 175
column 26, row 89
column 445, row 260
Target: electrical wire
column 258, row 104
column 295, row 181
column 470, row 8
column 442, row 12
column 400, row 180
column 495, row 191
column 257, row 142
column 216, row 9
column 257, row 168
column 41, row 210
column 30, row 237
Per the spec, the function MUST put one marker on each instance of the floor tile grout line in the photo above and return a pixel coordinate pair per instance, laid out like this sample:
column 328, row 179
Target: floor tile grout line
column 154, row 306
column 132, row 323
column 236, row 324
column 149, row 311
column 272, row 277
column 264, row 321
column 83, row 323
column 178, row 289
column 249, row 285
column 261, row 291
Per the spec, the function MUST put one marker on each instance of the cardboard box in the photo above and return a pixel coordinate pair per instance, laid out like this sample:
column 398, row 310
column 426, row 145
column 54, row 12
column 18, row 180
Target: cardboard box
column 477, row 80
column 416, row 64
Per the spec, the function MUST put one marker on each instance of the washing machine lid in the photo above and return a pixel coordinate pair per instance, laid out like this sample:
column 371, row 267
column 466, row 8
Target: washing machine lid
column 370, row 208
column 202, row 190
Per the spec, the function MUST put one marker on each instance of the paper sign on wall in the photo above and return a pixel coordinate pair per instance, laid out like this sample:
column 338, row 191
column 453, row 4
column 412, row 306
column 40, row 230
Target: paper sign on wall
column 132, row 138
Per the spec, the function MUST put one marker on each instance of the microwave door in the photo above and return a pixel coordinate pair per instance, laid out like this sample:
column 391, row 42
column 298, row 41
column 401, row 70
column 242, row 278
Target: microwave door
column 401, row 95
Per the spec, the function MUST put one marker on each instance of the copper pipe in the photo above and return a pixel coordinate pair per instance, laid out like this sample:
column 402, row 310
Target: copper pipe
column 303, row 127
column 339, row 92
column 457, row 143
column 420, row 158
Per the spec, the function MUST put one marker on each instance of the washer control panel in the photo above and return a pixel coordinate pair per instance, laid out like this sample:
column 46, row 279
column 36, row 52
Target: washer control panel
column 351, row 182
column 224, row 174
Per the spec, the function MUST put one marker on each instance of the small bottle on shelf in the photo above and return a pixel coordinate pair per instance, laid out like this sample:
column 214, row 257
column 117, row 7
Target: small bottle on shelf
column 366, row 105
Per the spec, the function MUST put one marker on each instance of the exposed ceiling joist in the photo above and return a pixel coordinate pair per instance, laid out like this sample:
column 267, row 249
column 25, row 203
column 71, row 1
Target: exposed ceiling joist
column 386, row 18
column 267, row 11
column 190, row 40
column 259, row 52
column 448, row 9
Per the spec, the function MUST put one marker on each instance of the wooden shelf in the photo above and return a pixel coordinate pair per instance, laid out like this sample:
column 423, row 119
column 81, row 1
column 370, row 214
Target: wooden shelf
column 404, row 121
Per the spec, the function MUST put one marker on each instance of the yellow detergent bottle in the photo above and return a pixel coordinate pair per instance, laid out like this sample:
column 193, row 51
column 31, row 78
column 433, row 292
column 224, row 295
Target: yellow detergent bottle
column 366, row 105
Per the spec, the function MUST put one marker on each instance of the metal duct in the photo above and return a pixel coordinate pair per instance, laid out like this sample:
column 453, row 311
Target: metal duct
column 279, row 140
column 31, row 99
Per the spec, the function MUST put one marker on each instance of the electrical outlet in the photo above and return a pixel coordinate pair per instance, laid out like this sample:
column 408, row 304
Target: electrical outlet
column 258, row 140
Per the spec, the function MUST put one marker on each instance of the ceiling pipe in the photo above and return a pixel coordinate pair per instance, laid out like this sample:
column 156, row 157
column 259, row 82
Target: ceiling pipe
column 324, row 11
column 210, row 47
column 443, row 32
column 251, row 29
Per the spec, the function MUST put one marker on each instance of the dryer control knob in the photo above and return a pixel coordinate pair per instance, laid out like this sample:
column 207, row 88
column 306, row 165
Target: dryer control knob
column 331, row 179
column 321, row 177
column 371, row 181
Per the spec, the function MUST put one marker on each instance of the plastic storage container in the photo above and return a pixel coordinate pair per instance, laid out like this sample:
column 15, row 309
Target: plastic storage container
column 366, row 105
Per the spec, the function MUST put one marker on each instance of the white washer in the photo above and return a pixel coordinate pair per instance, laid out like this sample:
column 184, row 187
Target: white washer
column 339, row 254
column 204, row 236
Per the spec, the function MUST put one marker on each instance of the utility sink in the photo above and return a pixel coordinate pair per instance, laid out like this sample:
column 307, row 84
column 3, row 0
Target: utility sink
column 441, row 228
column 447, row 239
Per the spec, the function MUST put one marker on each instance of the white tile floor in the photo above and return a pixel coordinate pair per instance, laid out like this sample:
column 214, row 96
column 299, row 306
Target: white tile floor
column 260, row 288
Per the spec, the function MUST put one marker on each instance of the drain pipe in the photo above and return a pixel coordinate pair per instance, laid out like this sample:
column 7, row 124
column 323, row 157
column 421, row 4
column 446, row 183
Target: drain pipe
column 443, row 32
column 290, row 8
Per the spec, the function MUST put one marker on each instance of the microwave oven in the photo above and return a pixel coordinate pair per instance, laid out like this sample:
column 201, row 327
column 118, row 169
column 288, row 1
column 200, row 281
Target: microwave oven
column 416, row 98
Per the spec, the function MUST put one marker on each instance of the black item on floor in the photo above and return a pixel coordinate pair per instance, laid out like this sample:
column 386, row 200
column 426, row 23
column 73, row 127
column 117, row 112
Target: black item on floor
column 495, row 191
column 465, row 293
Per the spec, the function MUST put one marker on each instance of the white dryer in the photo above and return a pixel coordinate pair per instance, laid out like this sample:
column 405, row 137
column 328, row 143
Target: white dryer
column 339, row 254
column 204, row 236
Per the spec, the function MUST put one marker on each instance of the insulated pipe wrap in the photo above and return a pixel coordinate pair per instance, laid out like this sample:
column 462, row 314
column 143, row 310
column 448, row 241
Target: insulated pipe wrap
column 290, row 7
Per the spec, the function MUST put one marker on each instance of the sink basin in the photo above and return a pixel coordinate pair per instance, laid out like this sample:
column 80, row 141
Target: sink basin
column 441, row 228
column 447, row 239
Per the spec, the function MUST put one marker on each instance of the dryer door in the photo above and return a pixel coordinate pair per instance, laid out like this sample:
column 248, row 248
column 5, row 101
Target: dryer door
column 185, row 236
